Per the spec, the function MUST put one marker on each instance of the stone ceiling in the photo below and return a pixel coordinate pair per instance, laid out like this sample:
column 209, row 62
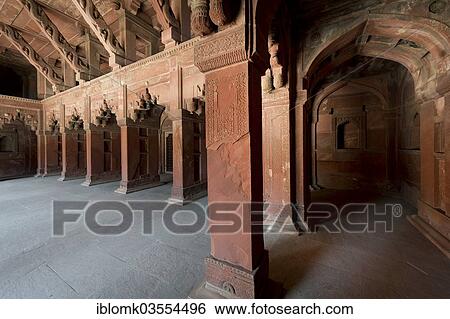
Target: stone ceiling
column 68, row 20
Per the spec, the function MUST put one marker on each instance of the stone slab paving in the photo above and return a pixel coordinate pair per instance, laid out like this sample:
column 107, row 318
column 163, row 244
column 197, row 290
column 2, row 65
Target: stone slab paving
column 34, row 264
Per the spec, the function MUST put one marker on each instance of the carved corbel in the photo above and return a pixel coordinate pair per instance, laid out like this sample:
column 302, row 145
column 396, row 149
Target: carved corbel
column 16, row 39
column 53, row 124
column 200, row 21
column 51, row 32
column 76, row 122
column 105, row 116
column 169, row 23
column 219, row 12
column 275, row 65
column 147, row 108
column 100, row 28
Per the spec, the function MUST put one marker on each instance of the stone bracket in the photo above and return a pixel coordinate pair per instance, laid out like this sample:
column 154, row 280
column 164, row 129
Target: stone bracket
column 56, row 38
column 16, row 39
column 102, row 31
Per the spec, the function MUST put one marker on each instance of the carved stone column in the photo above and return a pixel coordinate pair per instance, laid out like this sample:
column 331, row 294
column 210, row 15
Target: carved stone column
column 238, row 265
column 40, row 154
column 140, row 147
column 52, row 157
column 73, row 155
column 40, row 146
column 103, row 150
column 200, row 20
column 189, row 156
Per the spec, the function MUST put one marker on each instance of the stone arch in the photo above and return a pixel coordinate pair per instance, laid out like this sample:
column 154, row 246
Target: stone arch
column 322, row 96
column 431, row 35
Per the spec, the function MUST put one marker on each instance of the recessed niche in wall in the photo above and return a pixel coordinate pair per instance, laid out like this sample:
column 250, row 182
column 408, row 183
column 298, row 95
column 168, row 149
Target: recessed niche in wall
column 8, row 143
column 348, row 135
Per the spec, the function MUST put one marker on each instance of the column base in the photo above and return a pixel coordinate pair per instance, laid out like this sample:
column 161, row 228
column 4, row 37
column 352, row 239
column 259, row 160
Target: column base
column 127, row 188
column 225, row 280
column 65, row 178
column 97, row 180
column 51, row 173
column 183, row 196
column 38, row 175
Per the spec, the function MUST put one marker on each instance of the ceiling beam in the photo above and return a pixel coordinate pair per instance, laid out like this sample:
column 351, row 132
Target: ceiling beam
column 102, row 31
column 57, row 39
column 49, row 72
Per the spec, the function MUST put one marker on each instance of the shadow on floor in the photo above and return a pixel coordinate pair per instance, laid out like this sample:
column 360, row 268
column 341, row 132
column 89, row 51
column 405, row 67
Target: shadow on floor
column 382, row 264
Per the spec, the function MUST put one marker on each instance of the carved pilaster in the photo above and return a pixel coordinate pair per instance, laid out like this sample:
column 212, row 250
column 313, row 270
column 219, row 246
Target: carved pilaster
column 50, row 30
column 16, row 39
column 104, row 34
column 200, row 21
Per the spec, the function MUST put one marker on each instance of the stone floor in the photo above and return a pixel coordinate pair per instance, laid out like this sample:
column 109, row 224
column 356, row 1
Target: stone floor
column 33, row 264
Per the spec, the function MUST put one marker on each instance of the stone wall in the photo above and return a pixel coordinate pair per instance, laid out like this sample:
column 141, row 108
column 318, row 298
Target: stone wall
column 351, row 140
column 19, row 119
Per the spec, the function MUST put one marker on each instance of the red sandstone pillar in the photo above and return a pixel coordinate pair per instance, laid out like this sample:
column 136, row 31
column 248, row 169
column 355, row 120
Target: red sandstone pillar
column 73, row 154
column 189, row 157
column 302, row 154
column 52, row 154
column 276, row 150
column 238, row 265
column 140, row 154
column 102, row 154
column 40, row 153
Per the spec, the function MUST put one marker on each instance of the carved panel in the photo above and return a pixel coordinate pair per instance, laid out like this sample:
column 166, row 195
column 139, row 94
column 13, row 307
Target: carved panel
column 227, row 109
column 223, row 49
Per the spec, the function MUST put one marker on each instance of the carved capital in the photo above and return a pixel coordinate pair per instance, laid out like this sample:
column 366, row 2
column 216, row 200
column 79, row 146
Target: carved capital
column 200, row 20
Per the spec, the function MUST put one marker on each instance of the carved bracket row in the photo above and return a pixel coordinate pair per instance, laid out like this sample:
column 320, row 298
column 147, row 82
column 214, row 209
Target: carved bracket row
column 100, row 28
column 16, row 39
column 50, row 30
